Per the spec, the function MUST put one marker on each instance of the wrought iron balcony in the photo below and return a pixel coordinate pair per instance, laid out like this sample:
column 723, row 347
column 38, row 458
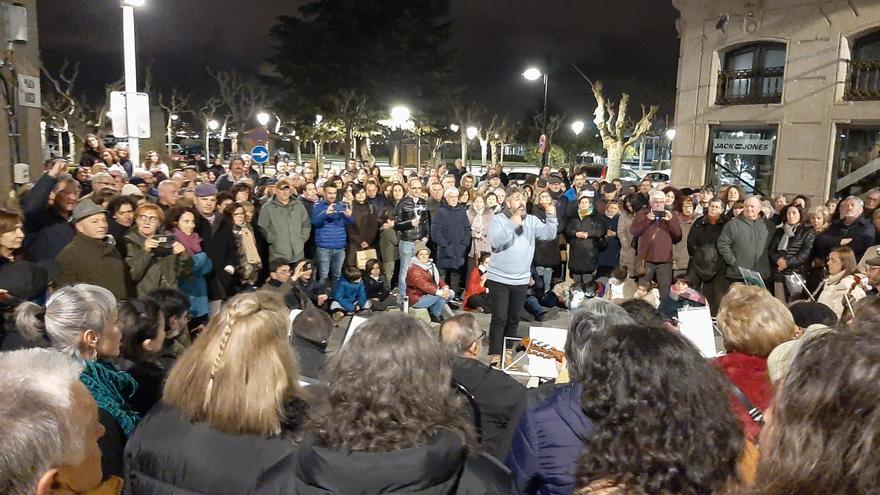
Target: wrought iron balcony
column 750, row 86
column 863, row 80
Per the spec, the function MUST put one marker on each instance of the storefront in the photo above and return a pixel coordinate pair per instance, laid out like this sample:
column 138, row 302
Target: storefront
column 743, row 157
column 856, row 159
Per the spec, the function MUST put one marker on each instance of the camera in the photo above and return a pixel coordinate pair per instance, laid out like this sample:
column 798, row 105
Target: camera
column 659, row 214
column 165, row 240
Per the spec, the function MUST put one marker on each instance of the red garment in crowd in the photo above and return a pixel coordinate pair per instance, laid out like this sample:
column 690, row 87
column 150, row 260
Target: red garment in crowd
column 749, row 373
column 420, row 282
column 473, row 286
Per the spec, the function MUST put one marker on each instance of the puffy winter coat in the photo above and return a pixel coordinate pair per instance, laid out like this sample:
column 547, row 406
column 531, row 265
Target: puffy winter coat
column 170, row 455
column 347, row 294
column 656, row 237
column 797, row 255
column 330, row 229
column 286, row 229
column 548, row 442
column 702, row 244
column 443, row 466
column 196, row 286
column 420, row 282
column 584, row 253
column 837, row 288
column 450, row 230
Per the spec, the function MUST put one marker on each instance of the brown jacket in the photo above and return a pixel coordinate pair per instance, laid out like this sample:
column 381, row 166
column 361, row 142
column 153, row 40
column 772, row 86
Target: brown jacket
column 656, row 238
column 93, row 261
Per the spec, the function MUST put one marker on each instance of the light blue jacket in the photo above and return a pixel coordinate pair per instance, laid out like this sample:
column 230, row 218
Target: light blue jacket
column 513, row 247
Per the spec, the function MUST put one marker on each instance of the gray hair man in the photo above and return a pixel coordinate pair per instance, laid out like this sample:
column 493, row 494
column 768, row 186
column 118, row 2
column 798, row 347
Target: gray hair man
column 498, row 396
column 745, row 241
column 872, row 202
column 657, row 230
column 853, row 229
column 49, row 427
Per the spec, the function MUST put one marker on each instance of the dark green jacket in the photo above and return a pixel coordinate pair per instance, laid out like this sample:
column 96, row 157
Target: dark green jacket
column 93, row 261
column 156, row 269
column 286, row 228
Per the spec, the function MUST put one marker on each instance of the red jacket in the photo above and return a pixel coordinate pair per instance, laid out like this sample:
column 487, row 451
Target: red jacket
column 420, row 282
column 655, row 237
column 473, row 286
column 749, row 373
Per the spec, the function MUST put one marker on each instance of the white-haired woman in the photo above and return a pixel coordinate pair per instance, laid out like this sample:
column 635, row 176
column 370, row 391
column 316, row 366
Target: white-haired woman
column 80, row 320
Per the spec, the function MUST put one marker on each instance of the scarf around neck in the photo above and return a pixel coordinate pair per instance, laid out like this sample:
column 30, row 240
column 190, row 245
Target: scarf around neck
column 428, row 267
column 787, row 234
column 192, row 242
column 111, row 389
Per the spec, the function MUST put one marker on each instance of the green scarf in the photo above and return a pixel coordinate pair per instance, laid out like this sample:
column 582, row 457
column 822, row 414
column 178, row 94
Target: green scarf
column 111, row 388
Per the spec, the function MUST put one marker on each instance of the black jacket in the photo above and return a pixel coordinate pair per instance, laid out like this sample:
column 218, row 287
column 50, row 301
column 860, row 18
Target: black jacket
column 800, row 246
column 218, row 241
column 705, row 260
column 497, row 395
column 861, row 232
column 584, row 253
column 547, row 253
column 169, row 455
column 376, row 289
column 441, row 467
column 451, row 232
column 46, row 231
column 404, row 213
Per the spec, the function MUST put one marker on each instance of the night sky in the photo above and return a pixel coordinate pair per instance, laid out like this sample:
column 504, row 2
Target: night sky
column 630, row 44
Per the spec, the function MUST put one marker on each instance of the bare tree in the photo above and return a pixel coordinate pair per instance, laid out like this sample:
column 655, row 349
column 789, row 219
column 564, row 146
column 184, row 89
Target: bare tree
column 614, row 125
column 350, row 109
column 173, row 105
column 205, row 112
column 244, row 96
column 485, row 133
column 504, row 133
column 464, row 115
column 71, row 108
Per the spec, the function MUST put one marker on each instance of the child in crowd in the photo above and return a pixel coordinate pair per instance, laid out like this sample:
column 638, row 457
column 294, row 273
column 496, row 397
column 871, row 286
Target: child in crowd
column 648, row 293
column 619, row 285
column 388, row 249
column 377, row 286
column 681, row 295
column 476, row 295
column 349, row 294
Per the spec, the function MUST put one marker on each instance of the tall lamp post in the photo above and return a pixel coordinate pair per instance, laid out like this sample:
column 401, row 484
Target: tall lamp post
column 577, row 127
column 212, row 126
column 130, row 61
column 471, row 134
column 533, row 74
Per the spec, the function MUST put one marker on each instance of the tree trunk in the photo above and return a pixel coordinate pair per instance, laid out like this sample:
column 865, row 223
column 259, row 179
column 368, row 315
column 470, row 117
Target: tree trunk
column 464, row 148
column 297, row 149
column 71, row 140
column 418, row 149
column 366, row 152
column 394, row 158
column 493, row 149
column 615, row 158
column 484, row 151
column 207, row 144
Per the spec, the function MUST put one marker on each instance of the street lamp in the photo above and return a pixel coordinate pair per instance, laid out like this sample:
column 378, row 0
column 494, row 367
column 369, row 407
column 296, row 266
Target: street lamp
column 318, row 118
column 472, row 132
column 263, row 118
column 399, row 115
column 130, row 61
column 577, row 127
column 453, row 127
column 670, row 133
column 213, row 125
column 533, row 74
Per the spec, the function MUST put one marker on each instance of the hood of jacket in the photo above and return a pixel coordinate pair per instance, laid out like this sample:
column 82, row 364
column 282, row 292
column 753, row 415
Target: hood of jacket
column 566, row 402
column 413, row 470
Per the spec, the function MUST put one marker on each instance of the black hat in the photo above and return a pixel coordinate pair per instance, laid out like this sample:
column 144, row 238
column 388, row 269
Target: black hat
column 554, row 179
column 609, row 188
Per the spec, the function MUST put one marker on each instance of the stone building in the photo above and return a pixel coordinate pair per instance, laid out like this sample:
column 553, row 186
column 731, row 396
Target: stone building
column 779, row 96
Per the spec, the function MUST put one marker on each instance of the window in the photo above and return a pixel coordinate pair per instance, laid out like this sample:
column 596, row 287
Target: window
column 752, row 74
column 863, row 74
column 856, row 159
column 743, row 157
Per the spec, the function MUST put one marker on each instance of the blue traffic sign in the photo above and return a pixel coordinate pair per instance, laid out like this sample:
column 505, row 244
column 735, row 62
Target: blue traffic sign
column 260, row 154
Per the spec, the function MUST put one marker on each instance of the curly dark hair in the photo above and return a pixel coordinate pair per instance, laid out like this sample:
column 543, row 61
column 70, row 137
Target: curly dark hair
column 823, row 434
column 388, row 388
column 664, row 420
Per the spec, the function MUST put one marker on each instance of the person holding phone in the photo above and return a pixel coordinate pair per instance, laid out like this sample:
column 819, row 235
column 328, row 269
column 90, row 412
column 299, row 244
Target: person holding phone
column 657, row 230
column 155, row 260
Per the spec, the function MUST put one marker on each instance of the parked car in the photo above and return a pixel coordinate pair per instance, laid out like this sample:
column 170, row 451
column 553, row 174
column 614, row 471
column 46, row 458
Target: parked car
column 520, row 178
column 599, row 172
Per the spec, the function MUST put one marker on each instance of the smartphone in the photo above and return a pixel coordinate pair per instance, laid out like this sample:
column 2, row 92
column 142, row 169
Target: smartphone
column 659, row 214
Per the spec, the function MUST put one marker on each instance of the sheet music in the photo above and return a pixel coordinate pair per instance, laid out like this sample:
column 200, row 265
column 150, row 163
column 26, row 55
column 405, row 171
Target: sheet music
column 696, row 325
column 554, row 337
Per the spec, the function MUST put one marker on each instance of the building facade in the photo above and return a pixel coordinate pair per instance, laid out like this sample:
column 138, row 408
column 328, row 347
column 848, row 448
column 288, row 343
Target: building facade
column 779, row 96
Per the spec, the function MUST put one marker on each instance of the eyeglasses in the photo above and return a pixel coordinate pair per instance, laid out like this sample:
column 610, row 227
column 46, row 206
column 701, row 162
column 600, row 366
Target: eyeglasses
column 148, row 219
column 478, row 339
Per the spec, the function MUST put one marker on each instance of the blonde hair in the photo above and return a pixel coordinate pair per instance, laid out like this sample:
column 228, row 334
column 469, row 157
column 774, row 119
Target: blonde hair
column 240, row 373
column 753, row 322
column 150, row 208
column 822, row 212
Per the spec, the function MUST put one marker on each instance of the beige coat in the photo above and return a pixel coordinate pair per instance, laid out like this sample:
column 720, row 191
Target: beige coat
column 834, row 290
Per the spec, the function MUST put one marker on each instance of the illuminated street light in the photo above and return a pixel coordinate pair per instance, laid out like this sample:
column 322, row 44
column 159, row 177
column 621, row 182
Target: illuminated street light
column 134, row 3
column 318, row 118
column 670, row 134
column 263, row 118
column 577, row 127
column 174, row 116
column 453, row 127
column 532, row 74
column 213, row 125
column 130, row 70
column 472, row 132
column 400, row 114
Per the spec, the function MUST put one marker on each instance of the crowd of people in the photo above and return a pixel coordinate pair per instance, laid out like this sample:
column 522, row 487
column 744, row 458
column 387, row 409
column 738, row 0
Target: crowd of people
column 148, row 346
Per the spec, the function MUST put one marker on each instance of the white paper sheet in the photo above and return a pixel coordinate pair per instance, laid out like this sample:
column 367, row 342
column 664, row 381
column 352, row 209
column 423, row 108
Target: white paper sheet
column 355, row 322
column 293, row 314
column 696, row 325
column 554, row 337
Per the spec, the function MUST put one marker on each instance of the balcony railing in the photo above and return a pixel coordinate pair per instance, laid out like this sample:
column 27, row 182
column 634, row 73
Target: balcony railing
column 750, row 86
column 863, row 80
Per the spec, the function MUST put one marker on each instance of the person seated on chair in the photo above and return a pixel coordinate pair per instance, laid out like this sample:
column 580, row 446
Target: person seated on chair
column 424, row 287
column 496, row 394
